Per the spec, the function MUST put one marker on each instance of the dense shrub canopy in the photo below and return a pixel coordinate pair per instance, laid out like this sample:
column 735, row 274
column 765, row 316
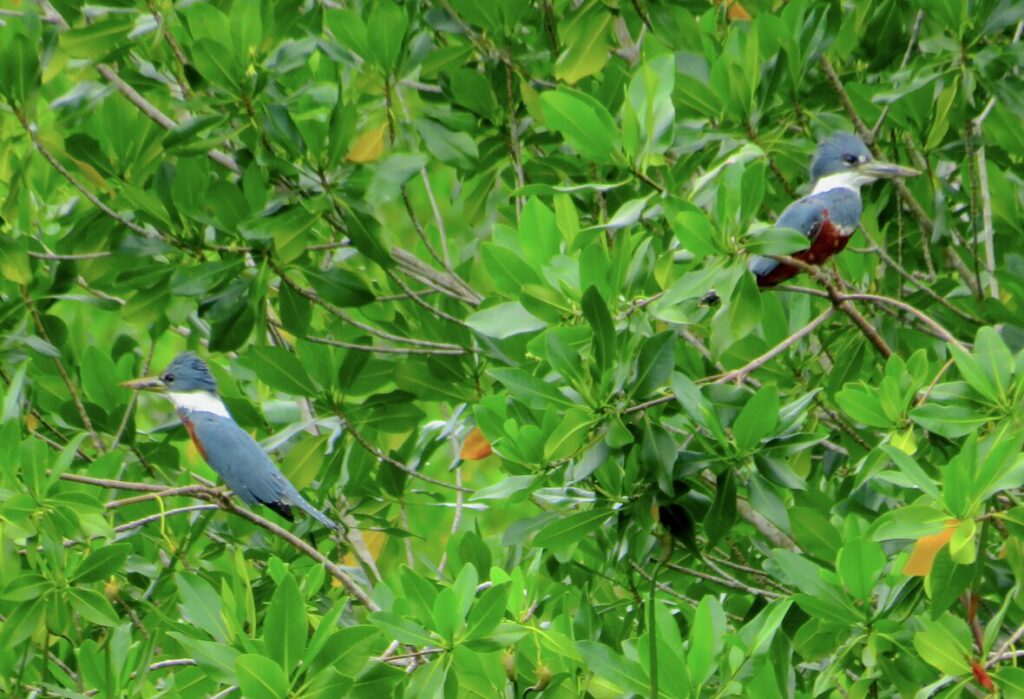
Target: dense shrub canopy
column 447, row 262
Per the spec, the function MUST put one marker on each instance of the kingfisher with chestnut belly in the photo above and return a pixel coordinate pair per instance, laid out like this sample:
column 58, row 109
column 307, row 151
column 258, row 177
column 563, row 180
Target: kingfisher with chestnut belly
column 230, row 451
column 830, row 214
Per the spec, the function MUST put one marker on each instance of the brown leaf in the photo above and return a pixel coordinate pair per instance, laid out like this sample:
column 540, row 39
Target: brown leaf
column 476, row 446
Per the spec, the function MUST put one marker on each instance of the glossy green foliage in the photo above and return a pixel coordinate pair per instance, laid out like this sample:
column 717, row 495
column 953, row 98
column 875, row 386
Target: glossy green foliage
column 448, row 262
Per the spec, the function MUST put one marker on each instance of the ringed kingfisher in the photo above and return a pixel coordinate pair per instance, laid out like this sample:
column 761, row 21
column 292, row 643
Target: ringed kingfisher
column 229, row 449
column 830, row 214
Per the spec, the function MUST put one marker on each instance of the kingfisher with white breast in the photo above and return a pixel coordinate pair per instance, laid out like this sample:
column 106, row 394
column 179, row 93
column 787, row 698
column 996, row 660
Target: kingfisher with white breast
column 830, row 214
column 230, row 451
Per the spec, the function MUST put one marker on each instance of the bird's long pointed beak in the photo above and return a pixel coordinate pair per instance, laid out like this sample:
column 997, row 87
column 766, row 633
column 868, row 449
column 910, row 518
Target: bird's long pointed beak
column 877, row 168
column 147, row 383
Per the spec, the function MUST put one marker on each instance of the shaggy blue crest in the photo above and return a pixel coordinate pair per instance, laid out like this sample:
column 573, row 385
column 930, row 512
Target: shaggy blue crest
column 840, row 151
column 188, row 373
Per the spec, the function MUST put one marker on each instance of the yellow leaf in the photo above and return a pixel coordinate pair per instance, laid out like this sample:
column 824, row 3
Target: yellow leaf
column 476, row 446
column 368, row 146
column 588, row 54
column 905, row 441
column 926, row 548
column 374, row 541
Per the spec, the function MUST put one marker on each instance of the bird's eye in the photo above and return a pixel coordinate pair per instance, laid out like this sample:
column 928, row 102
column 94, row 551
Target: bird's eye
column 168, row 378
column 850, row 159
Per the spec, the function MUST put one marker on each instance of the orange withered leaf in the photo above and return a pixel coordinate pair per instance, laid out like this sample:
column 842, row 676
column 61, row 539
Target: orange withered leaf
column 476, row 446
column 926, row 548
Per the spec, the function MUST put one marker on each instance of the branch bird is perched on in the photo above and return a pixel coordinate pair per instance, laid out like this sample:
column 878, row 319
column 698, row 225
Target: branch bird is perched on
column 229, row 449
column 830, row 214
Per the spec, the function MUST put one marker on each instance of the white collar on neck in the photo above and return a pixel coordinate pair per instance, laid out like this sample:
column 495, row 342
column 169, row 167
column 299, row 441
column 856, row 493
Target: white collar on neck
column 198, row 402
column 840, row 180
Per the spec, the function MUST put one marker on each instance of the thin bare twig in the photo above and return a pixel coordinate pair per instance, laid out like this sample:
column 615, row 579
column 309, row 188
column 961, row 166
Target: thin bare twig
column 914, row 32
column 758, row 362
column 79, row 405
column 845, row 306
column 54, row 257
column 447, row 284
column 391, row 461
column 887, row 258
column 142, row 521
column 729, row 582
column 412, row 296
column 179, row 55
column 219, row 498
column 88, row 194
column 987, row 233
column 515, row 152
column 339, row 313
column 381, row 349
column 132, row 401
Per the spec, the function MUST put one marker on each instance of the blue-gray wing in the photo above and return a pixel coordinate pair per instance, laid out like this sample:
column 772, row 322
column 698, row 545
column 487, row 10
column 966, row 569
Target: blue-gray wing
column 804, row 215
column 246, row 468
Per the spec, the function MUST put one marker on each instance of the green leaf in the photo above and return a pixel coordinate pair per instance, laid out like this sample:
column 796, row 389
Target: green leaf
column 777, row 241
column 973, row 373
column 199, row 280
column 694, row 231
column 569, row 436
column 387, row 26
column 340, row 287
column 859, row 564
column 527, row 388
column 280, row 369
column 19, row 68
column 862, row 405
column 995, row 359
column 402, row 630
column 200, row 604
column 913, row 471
column 260, row 677
column 814, row 532
column 216, row 63
column 654, row 364
column 303, row 462
column 722, row 514
column 27, row 586
column 349, row 29
column 585, row 123
column 707, row 633
column 624, row 674
column 294, row 309
column 909, row 522
column 589, row 51
column 757, row 419
column 100, row 380
column 101, row 563
column 566, row 531
column 950, row 421
column 21, row 622
column 487, row 612
column 504, row 489
column 504, row 320
column 945, row 645
column 285, row 626
column 447, row 620
column 93, row 607
column 600, row 320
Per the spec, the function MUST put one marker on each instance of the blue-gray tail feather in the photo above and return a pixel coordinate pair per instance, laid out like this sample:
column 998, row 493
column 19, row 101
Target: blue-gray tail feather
column 312, row 511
